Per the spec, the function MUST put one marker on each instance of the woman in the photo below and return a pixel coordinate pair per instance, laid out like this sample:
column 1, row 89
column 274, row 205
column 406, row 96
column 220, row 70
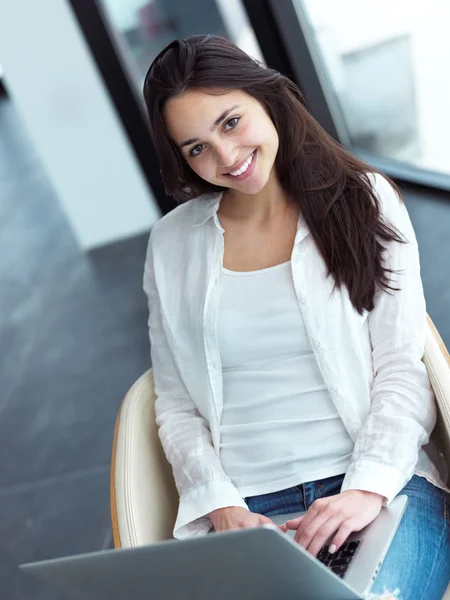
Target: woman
column 287, row 321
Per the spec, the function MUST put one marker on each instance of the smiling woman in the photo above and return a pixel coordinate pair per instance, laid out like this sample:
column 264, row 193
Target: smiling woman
column 212, row 106
column 287, row 320
column 240, row 145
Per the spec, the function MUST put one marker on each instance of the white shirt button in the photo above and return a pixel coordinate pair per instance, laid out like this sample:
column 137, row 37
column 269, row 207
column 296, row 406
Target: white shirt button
column 355, row 432
column 302, row 298
column 316, row 344
column 333, row 389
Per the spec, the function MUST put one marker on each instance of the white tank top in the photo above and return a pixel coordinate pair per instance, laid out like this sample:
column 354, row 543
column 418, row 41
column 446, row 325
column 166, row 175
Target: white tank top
column 279, row 426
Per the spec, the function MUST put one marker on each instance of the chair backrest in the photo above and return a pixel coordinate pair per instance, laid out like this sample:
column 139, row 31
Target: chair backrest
column 437, row 361
column 144, row 499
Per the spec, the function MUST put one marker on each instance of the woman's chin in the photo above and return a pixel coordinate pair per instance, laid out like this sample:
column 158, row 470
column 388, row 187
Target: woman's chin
column 251, row 187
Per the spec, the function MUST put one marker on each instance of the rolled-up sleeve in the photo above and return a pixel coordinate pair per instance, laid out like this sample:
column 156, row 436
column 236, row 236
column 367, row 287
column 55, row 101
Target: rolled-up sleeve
column 403, row 411
column 201, row 482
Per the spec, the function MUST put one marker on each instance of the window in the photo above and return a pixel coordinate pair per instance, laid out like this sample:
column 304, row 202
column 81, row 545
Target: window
column 386, row 62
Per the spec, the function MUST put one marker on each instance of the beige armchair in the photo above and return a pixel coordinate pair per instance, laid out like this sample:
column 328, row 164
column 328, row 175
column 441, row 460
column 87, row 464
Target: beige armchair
column 144, row 498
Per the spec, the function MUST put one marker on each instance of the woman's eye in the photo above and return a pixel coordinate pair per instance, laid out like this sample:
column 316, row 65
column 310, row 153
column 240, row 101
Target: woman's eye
column 231, row 123
column 195, row 151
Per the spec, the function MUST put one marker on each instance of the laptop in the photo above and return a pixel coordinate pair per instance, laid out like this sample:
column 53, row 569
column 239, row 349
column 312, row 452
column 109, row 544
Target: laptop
column 261, row 563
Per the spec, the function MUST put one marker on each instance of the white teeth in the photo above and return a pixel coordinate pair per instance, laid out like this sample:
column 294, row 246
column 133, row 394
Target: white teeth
column 244, row 167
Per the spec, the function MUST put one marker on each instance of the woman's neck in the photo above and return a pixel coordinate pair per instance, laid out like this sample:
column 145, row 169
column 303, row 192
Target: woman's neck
column 255, row 209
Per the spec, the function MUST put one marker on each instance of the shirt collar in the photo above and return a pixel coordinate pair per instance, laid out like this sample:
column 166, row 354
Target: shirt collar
column 208, row 205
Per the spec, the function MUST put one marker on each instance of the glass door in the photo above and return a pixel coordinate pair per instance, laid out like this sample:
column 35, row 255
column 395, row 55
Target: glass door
column 145, row 27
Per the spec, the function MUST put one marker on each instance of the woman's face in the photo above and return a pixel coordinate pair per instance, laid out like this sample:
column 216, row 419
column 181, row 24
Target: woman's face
column 228, row 139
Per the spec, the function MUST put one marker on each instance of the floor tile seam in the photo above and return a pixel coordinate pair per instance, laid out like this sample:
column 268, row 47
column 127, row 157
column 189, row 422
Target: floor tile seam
column 51, row 480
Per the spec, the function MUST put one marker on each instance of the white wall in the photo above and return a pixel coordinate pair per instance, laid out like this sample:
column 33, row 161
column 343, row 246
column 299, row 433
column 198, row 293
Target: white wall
column 54, row 83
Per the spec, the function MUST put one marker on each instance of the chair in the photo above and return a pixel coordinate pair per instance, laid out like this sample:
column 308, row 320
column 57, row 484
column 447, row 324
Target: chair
column 144, row 498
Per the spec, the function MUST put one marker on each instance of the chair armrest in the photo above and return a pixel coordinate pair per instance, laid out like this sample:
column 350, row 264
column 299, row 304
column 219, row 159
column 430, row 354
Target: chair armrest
column 144, row 499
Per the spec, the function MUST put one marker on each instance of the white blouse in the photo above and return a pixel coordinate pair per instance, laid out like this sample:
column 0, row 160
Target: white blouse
column 279, row 425
column 371, row 362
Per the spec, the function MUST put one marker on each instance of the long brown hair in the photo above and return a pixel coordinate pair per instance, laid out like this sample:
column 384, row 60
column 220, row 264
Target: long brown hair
column 330, row 184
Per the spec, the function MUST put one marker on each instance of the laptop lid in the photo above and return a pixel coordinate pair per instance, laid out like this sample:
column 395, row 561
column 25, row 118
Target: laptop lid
column 252, row 564
column 255, row 564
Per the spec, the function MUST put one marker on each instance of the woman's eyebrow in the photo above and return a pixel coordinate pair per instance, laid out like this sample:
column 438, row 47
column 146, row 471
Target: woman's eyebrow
column 214, row 125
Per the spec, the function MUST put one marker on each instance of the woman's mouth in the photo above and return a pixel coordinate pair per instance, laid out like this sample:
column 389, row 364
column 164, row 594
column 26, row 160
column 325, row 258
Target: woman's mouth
column 244, row 170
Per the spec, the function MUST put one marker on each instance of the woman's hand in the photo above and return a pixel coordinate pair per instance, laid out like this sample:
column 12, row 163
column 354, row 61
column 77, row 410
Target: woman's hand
column 340, row 514
column 236, row 517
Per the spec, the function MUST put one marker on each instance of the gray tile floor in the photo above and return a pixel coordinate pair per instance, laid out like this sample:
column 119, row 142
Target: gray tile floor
column 73, row 339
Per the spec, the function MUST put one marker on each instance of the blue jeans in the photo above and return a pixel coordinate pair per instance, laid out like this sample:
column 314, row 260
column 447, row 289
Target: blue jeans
column 417, row 565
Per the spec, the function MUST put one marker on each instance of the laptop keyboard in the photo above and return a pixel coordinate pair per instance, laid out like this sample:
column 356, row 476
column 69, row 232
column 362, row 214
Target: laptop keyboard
column 340, row 561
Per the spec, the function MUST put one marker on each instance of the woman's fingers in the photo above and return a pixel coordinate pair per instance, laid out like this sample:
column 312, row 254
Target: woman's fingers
column 294, row 523
column 335, row 517
column 323, row 534
column 313, row 522
column 347, row 527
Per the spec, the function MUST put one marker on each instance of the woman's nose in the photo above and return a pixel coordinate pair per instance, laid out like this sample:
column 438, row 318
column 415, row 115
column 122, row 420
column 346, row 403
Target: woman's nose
column 227, row 156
